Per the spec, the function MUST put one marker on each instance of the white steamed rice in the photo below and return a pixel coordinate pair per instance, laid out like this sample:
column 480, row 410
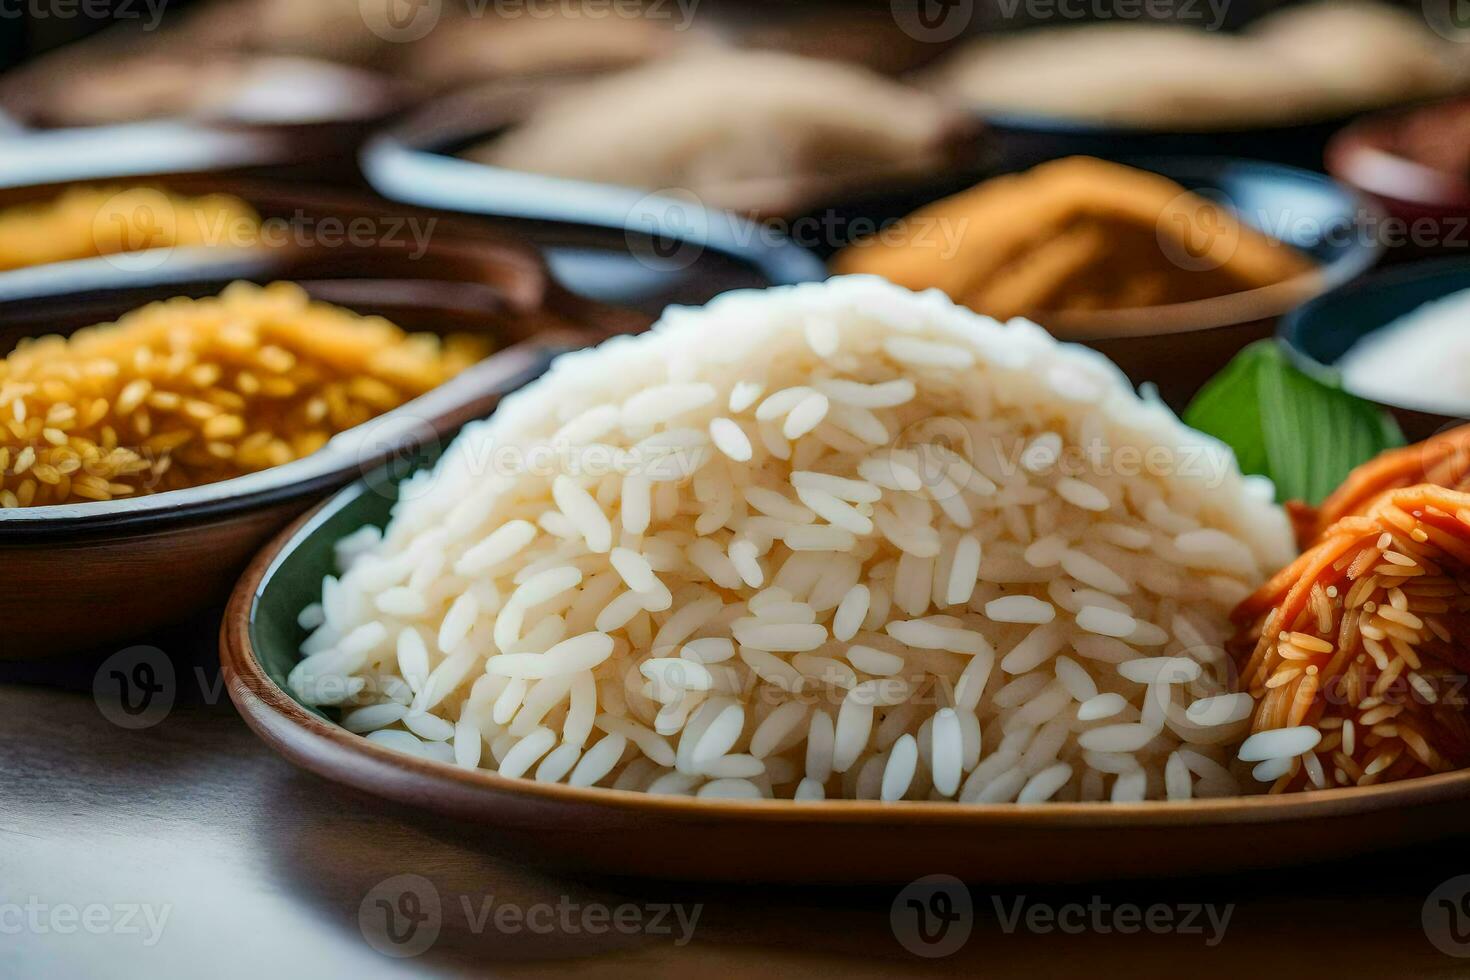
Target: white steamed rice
column 831, row 540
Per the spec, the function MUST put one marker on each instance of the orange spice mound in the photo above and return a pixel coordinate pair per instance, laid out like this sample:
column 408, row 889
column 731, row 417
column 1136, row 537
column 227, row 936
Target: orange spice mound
column 1077, row 234
column 1366, row 637
column 1443, row 460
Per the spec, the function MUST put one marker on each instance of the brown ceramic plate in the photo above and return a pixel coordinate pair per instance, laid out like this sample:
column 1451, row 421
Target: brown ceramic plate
column 624, row 833
column 81, row 575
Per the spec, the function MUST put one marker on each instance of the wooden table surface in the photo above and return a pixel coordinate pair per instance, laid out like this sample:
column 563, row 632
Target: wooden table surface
column 187, row 849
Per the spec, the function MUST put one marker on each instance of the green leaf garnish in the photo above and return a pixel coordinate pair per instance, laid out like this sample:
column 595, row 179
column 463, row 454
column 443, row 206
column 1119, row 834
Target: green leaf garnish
column 1303, row 434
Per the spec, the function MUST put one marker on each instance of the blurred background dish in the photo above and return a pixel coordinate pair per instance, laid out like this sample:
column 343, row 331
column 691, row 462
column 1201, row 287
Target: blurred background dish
column 251, row 90
column 1345, row 336
column 627, row 270
column 1416, row 163
column 621, row 245
column 1310, row 62
column 34, row 158
column 756, row 132
column 85, row 222
column 484, row 50
column 1176, row 346
column 1075, row 239
column 1275, row 90
column 875, row 36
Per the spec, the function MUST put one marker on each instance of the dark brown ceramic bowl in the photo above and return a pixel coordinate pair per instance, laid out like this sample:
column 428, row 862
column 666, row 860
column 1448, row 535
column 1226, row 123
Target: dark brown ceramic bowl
column 624, row 833
column 1025, row 139
column 82, row 575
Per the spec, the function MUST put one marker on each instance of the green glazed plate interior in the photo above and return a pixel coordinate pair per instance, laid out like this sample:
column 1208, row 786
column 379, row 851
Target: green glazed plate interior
column 294, row 580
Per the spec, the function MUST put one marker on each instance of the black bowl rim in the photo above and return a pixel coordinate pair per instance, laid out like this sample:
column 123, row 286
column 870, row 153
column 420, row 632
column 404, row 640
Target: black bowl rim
column 175, row 146
column 400, row 169
column 1035, row 122
column 1288, row 331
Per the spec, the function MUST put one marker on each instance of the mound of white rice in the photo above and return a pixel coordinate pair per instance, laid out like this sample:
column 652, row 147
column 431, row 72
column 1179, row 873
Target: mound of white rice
column 833, row 540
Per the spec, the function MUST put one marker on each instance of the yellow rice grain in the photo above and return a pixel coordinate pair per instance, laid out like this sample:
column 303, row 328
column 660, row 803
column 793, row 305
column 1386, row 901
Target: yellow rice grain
column 156, row 401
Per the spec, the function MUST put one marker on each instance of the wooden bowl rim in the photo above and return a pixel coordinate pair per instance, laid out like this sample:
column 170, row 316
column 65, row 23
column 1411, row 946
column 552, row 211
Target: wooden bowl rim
column 335, row 753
